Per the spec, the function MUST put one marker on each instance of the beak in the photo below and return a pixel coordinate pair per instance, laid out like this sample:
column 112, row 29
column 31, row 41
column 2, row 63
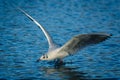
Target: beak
column 38, row 60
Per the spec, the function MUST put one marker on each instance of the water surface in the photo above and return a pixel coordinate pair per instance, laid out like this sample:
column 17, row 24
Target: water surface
column 22, row 42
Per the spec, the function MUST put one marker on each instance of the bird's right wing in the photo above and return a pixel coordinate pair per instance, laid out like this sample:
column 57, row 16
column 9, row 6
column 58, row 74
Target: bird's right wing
column 80, row 41
column 50, row 41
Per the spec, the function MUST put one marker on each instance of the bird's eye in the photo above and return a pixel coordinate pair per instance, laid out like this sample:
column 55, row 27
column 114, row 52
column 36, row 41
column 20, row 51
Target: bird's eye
column 43, row 56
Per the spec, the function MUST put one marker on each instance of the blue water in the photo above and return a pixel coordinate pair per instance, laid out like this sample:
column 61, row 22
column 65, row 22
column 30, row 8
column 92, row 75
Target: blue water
column 22, row 42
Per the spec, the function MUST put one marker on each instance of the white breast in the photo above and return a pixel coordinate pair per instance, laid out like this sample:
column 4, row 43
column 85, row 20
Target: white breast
column 56, row 54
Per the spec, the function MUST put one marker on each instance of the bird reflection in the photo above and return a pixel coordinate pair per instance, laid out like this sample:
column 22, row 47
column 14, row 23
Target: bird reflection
column 63, row 73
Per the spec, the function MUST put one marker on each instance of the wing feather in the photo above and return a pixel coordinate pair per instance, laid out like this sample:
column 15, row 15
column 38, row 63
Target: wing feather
column 50, row 41
column 80, row 41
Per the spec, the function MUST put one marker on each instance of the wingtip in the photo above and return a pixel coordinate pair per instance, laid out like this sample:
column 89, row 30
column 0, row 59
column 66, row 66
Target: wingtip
column 109, row 35
column 20, row 9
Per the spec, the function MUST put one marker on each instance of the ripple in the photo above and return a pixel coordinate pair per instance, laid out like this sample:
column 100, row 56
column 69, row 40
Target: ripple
column 21, row 42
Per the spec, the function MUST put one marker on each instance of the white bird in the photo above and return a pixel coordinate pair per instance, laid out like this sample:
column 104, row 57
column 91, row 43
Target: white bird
column 71, row 47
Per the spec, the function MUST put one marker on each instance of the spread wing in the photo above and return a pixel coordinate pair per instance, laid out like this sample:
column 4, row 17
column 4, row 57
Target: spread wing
column 80, row 41
column 50, row 41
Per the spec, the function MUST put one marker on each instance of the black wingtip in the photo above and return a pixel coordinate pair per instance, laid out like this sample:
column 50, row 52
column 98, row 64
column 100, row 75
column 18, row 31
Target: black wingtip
column 109, row 35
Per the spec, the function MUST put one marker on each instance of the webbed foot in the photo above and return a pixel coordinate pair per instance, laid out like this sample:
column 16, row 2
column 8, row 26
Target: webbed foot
column 59, row 62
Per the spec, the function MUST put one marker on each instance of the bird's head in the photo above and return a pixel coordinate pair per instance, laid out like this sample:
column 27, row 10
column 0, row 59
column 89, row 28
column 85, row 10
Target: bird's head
column 43, row 57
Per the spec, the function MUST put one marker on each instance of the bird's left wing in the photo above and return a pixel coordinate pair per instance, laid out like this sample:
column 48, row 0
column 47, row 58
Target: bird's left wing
column 80, row 41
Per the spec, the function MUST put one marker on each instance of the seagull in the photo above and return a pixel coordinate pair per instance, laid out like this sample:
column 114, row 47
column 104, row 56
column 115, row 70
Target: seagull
column 71, row 47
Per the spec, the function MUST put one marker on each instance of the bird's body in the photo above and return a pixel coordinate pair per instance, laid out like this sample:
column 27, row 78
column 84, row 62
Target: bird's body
column 72, row 46
column 56, row 54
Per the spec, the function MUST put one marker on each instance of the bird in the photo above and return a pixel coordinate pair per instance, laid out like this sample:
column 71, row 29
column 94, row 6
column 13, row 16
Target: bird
column 71, row 47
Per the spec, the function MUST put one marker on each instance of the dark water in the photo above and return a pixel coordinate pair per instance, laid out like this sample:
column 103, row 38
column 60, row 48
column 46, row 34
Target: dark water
column 22, row 42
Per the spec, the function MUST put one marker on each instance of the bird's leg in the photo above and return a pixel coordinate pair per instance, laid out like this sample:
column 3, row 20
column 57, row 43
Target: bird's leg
column 59, row 62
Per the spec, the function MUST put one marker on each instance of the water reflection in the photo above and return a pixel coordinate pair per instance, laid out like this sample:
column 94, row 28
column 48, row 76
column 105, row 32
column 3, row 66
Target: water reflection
column 63, row 73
